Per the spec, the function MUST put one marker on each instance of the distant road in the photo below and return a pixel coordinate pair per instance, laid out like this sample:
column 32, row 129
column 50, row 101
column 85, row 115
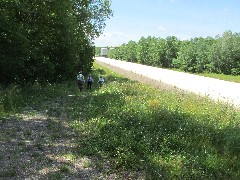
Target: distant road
column 215, row 89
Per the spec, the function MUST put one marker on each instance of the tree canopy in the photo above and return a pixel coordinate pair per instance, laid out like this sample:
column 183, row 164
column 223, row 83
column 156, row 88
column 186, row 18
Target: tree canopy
column 198, row 55
column 48, row 40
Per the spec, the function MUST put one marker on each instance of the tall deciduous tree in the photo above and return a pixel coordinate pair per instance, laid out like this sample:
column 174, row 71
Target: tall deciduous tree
column 172, row 47
column 48, row 40
column 131, row 53
column 218, row 55
column 226, row 53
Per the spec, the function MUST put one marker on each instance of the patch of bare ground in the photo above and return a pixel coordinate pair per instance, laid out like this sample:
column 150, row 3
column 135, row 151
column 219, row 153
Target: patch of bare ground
column 41, row 145
column 36, row 146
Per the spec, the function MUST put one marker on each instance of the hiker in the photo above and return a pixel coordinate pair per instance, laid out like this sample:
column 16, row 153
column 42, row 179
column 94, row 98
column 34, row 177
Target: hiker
column 100, row 81
column 89, row 82
column 80, row 80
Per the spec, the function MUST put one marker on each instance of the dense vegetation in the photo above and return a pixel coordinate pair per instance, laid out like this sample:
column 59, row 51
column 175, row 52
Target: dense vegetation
column 48, row 40
column 129, row 126
column 135, row 128
column 219, row 55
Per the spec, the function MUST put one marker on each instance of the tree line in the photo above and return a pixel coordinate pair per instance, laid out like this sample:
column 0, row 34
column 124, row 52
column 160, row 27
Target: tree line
column 198, row 55
column 48, row 40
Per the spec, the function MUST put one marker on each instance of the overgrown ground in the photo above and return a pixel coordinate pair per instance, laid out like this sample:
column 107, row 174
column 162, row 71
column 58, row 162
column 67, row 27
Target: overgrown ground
column 37, row 141
column 125, row 130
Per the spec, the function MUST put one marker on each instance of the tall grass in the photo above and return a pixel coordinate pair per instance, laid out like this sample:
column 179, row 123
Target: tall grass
column 7, row 102
column 14, row 98
column 163, row 134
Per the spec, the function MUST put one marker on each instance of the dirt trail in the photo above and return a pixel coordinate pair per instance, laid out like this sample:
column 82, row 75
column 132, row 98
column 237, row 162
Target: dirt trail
column 36, row 145
column 39, row 144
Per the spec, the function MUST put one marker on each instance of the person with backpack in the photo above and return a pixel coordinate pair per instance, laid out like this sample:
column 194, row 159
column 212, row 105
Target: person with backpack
column 89, row 82
column 100, row 81
column 80, row 81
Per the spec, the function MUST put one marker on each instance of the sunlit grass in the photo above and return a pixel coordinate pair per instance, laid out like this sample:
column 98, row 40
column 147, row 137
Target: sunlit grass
column 217, row 76
column 164, row 134
column 222, row 77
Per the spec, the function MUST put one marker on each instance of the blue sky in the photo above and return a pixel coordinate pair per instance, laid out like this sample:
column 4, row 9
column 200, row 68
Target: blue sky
column 184, row 19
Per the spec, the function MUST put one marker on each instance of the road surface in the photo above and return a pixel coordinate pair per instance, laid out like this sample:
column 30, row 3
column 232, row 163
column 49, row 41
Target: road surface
column 219, row 90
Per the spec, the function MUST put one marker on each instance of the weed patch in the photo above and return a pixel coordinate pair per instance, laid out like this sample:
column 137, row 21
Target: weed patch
column 165, row 134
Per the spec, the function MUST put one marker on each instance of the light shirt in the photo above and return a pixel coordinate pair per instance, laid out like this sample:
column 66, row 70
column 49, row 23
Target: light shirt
column 80, row 77
column 101, row 80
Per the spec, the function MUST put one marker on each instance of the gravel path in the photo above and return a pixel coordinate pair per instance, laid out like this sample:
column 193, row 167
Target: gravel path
column 39, row 143
column 218, row 90
column 36, row 145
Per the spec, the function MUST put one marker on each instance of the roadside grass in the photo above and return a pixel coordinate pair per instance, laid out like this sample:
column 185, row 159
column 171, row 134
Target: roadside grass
column 163, row 134
column 132, row 128
column 222, row 77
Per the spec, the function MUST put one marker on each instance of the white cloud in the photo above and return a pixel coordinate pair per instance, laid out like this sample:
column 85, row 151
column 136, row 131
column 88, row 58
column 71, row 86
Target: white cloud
column 113, row 39
column 162, row 28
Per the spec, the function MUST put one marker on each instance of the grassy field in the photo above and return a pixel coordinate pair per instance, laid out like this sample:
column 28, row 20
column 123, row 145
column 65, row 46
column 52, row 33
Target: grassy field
column 218, row 76
column 223, row 77
column 131, row 130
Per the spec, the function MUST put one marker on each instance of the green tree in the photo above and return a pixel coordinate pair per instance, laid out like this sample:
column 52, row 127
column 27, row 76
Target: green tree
column 131, row 51
column 172, row 47
column 155, row 52
column 14, row 44
column 143, row 50
column 203, row 47
column 48, row 40
column 97, row 51
column 186, row 59
column 226, row 54
column 194, row 55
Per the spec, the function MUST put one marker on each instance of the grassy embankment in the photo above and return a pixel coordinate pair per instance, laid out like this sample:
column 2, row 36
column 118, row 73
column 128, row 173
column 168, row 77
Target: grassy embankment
column 139, row 128
column 218, row 76
column 223, row 77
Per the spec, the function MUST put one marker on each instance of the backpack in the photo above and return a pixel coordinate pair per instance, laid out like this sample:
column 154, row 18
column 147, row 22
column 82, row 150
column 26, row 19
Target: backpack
column 90, row 79
column 80, row 77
